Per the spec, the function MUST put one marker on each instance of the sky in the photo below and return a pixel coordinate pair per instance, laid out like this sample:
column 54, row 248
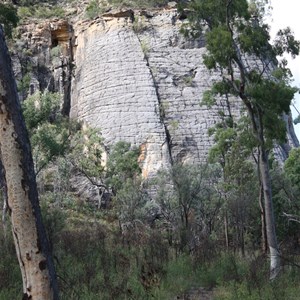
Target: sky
column 286, row 13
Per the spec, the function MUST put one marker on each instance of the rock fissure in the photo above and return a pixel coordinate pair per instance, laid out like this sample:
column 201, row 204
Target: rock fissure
column 106, row 81
column 161, row 113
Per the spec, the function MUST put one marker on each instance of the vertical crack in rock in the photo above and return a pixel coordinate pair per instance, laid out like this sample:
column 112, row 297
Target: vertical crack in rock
column 113, row 90
column 62, row 36
column 161, row 112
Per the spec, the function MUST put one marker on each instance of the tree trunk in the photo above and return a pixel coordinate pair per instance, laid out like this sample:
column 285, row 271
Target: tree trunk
column 226, row 230
column 265, row 177
column 32, row 247
column 4, row 196
column 264, row 242
column 269, row 213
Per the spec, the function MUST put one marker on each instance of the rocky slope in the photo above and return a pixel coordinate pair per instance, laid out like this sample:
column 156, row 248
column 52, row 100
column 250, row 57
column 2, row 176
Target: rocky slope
column 135, row 77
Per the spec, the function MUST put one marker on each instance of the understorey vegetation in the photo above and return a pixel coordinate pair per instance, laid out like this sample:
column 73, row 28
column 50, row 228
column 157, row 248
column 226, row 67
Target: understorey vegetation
column 198, row 230
column 194, row 227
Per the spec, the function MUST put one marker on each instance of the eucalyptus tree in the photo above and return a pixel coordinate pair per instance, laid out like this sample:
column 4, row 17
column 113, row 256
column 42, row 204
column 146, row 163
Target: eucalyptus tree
column 238, row 47
column 32, row 247
column 239, row 185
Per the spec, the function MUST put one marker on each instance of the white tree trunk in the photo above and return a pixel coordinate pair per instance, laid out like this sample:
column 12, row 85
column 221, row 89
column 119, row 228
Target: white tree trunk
column 32, row 247
column 275, row 261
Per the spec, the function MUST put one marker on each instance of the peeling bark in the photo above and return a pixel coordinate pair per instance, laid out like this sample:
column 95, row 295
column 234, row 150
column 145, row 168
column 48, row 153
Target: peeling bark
column 32, row 247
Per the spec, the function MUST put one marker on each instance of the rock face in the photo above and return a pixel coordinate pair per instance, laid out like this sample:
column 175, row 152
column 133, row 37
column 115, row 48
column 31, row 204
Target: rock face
column 142, row 82
column 42, row 59
column 114, row 90
column 139, row 80
column 136, row 78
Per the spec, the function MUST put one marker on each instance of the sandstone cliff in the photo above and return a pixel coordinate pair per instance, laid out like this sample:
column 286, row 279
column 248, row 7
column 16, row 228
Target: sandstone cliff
column 136, row 78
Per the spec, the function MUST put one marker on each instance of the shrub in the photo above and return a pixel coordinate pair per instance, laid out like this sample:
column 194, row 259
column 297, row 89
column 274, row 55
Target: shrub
column 44, row 12
column 94, row 9
column 10, row 275
column 24, row 12
column 55, row 52
column 24, row 83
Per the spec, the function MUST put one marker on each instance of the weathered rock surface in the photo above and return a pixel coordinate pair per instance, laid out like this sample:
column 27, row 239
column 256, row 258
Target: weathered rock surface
column 139, row 80
column 43, row 54
column 142, row 82
column 135, row 77
column 114, row 90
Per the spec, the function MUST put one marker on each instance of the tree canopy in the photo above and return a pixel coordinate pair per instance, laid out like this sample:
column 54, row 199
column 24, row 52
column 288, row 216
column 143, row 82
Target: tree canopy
column 8, row 18
column 238, row 47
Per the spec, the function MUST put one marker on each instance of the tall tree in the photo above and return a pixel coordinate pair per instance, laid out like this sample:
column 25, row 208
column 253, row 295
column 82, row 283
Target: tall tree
column 238, row 47
column 32, row 247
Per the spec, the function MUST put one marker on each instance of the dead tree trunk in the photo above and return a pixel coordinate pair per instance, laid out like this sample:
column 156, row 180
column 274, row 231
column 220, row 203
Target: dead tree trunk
column 32, row 247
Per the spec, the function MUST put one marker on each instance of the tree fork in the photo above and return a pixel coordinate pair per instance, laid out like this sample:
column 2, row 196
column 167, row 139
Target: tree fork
column 32, row 246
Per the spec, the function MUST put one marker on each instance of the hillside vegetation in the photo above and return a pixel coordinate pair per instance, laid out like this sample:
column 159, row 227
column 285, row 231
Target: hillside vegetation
column 192, row 227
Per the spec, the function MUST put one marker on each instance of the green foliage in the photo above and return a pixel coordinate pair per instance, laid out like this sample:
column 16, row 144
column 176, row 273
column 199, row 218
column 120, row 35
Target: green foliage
column 181, row 275
column 94, row 263
column 55, row 52
column 259, row 8
column 173, row 124
column 231, row 35
column 49, row 142
column 186, row 194
column 24, row 83
column 213, row 14
column 94, row 9
column 145, row 48
column 8, row 18
column 234, row 38
column 292, row 167
column 139, row 25
column 258, row 288
column 24, row 12
column 286, row 202
column 130, row 202
column 41, row 11
column 50, row 132
column 273, row 98
column 122, row 165
column 286, row 42
column 138, row 3
column 10, row 276
column 41, row 108
column 220, row 47
column 86, row 152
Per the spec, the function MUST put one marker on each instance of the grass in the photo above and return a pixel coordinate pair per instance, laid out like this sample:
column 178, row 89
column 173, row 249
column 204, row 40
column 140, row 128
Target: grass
column 94, row 261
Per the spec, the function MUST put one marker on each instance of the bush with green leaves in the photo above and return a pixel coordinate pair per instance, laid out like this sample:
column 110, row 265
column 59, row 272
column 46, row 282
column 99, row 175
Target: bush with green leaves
column 139, row 3
column 189, row 203
column 94, row 9
column 122, row 165
column 286, row 189
column 50, row 132
column 130, row 203
column 44, row 12
column 41, row 108
column 24, row 83
column 86, row 148
column 8, row 18
column 292, row 167
column 25, row 12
